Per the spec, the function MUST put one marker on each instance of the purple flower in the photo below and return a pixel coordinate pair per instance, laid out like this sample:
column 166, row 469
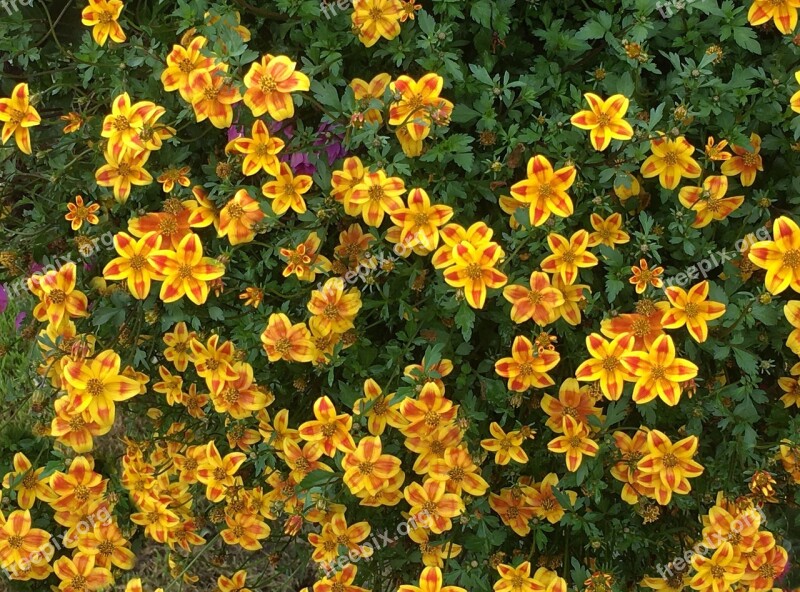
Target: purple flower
column 331, row 140
column 3, row 298
column 235, row 131
column 19, row 318
column 300, row 163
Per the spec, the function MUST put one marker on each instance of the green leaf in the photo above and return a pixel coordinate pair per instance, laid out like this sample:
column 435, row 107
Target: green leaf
column 465, row 320
column 745, row 37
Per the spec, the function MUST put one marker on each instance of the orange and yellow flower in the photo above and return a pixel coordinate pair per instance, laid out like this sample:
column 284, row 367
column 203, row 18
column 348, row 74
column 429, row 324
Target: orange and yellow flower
column 605, row 119
column 18, row 115
column 96, row 385
column 212, row 97
column 782, row 12
column 668, row 467
column 270, row 84
column 122, row 171
column 239, row 217
column 709, row 201
column 365, row 92
column 260, row 151
column 217, row 473
column 607, row 364
column 574, row 401
column 331, row 431
column 134, row 264
column 181, row 62
column 744, row 162
column 545, row 190
column 367, row 468
column 434, row 504
column 607, row 231
column 375, row 196
column 81, row 574
column 30, row 484
column 420, row 221
column 780, row 256
column 374, row 19
column 575, row 442
column 474, row 270
column 539, row 303
column 659, row 372
column 527, row 368
column 304, row 260
column 568, row 256
column 692, row 309
column 670, row 161
column 507, row 446
column 283, row 341
column 335, row 308
column 642, row 276
column 103, row 17
column 287, row 190
column 186, row 271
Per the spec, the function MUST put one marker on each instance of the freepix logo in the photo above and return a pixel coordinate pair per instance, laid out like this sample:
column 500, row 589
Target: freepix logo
column 12, row 6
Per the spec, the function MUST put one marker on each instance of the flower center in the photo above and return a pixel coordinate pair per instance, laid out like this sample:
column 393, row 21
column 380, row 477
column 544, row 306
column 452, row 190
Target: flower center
column 568, row 256
column 690, row 310
column 534, row 297
column 376, row 193
column 365, row 468
column 791, row 258
column 78, row 582
column 670, row 460
column 283, row 346
column 231, row 395
column 610, row 363
column 185, row 65
column 474, row 271
column 16, row 116
column 15, row 541
column 82, row 493
column 137, row 262
column 671, row 159
column 121, row 123
column 421, row 219
column 603, row 120
column 106, row 548
column 168, row 225
column 210, row 93
column 185, row 271
column 57, row 296
column 751, row 160
column 457, row 474
column 94, row 387
column 220, row 474
column 267, row 84
column 235, row 211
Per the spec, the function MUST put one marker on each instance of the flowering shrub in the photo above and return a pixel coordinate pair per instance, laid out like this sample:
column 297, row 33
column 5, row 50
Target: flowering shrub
column 392, row 296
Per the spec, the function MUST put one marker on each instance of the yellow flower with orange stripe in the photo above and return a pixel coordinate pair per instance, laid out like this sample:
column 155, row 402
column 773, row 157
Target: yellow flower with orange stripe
column 420, row 221
column 365, row 92
column 375, row 196
column 692, row 309
column 123, row 124
column 213, row 361
column 643, row 275
column 178, row 349
column 335, row 308
column 239, row 217
column 573, row 400
column 103, row 17
column 367, row 468
column 82, row 569
column 670, row 161
column 430, row 581
column 780, row 256
column 507, row 446
column 539, row 303
column 260, row 150
column 745, row 163
column 607, row 364
column 568, row 256
column 59, row 300
column 270, row 84
column 376, row 406
column 374, row 19
column 605, row 119
column 575, row 443
column 545, row 190
column 245, row 530
column 434, row 504
column 473, row 269
column 782, row 12
column 134, row 264
column 287, row 190
column 668, row 467
column 284, row 341
column 418, row 107
column 791, row 311
column 527, row 368
column 457, row 469
column 795, row 100
column 212, row 97
column 242, row 396
column 181, row 62
column 659, row 372
column 186, row 271
column 31, row 485
column 331, row 431
column 18, row 115
column 77, row 486
column 122, row 171
column 709, row 202
column 218, row 473
column 96, row 385
column 607, row 231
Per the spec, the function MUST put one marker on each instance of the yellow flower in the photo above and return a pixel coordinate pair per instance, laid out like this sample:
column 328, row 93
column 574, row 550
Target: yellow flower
column 474, row 270
column 374, row 19
column 671, row 160
column 605, row 119
column 568, row 255
column 17, row 115
column 545, row 190
column 186, row 271
column 607, row 231
column 102, row 16
column 780, row 257
column 287, row 191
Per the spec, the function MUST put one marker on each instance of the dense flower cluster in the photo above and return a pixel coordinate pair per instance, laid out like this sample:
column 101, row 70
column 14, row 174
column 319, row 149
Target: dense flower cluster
column 300, row 337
